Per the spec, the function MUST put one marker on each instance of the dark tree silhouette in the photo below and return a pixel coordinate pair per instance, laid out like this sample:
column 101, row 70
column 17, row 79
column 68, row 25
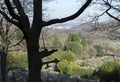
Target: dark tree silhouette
column 5, row 43
column 32, row 32
column 112, row 9
column 112, row 5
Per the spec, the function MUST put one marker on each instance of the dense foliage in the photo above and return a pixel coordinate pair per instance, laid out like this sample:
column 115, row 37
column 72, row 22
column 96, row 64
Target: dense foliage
column 57, row 43
column 65, row 67
column 110, row 71
column 17, row 60
column 83, row 72
column 71, row 68
column 83, row 41
column 99, row 50
column 62, row 55
column 73, row 38
column 74, row 47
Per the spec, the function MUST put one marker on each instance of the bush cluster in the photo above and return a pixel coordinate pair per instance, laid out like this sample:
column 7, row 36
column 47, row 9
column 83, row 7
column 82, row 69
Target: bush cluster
column 62, row 55
column 83, row 72
column 74, row 47
column 73, row 44
column 17, row 60
column 71, row 68
column 110, row 71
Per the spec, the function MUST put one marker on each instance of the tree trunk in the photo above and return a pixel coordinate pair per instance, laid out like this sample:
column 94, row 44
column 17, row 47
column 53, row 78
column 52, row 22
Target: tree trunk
column 34, row 60
column 35, row 65
column 4, row 70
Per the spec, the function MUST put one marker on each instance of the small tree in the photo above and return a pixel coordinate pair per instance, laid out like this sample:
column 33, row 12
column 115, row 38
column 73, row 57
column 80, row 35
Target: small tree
column 67, row 55
column 99, row 50
column 73, row 37
column 4, row 45
column 74, row 47
column 83, row 41
column 57, row 43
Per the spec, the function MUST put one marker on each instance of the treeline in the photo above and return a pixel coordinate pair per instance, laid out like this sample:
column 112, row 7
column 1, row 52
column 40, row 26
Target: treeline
column 79, row 45
column 73, row 47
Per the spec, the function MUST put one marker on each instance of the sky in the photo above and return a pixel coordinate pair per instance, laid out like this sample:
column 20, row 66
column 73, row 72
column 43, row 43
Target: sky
column 64, row 8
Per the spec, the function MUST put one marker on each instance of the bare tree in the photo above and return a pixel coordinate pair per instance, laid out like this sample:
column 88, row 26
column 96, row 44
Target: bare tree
column 113, row 29
column 113, row 5
column 4, row 38
column 112, row 9
column 31, row 32
column 108, row 7
column 6, row 42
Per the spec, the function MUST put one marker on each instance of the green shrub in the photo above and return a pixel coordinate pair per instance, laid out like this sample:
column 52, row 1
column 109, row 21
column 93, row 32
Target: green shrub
column 73, row 38
column 71, row 68
column 92, row 51
column 110, row 71
column 66, row 64
column 74, row 47
column 83, row 41
column 62, row 55
column 67, row 55
column 85, row 63
column 64, row 67
column 83, row 72
column 67, row 68
column 99, row 50
column 17, row 60
column 57, row 43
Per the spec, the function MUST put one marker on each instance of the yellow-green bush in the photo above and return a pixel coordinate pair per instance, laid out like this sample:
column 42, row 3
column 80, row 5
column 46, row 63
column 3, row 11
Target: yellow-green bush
column 56, row 43
column 67, row 68
column 62, row 55
column 75, row 47
column 73, row 38
column 83, row 72
column 110, row 71
column 17, row 60
column 99, row 50
column 71, row 68
column 64, row 67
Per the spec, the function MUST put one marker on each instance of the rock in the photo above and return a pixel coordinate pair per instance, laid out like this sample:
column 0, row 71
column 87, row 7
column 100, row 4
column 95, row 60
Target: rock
column 18, row 75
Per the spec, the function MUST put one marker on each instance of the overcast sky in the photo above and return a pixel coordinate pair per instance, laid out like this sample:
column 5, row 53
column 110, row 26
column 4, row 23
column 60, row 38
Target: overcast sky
column 63, row 8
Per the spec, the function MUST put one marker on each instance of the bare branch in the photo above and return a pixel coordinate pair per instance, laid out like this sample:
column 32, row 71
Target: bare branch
column 54, row 21
column 11, row 11
column 110, row 7
column 19, row 42
column 108, row 4
column 8, row 18
column 17, row 50
column 113, row 16
column 46, row 53
column 21, row 10
column 53, row 61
